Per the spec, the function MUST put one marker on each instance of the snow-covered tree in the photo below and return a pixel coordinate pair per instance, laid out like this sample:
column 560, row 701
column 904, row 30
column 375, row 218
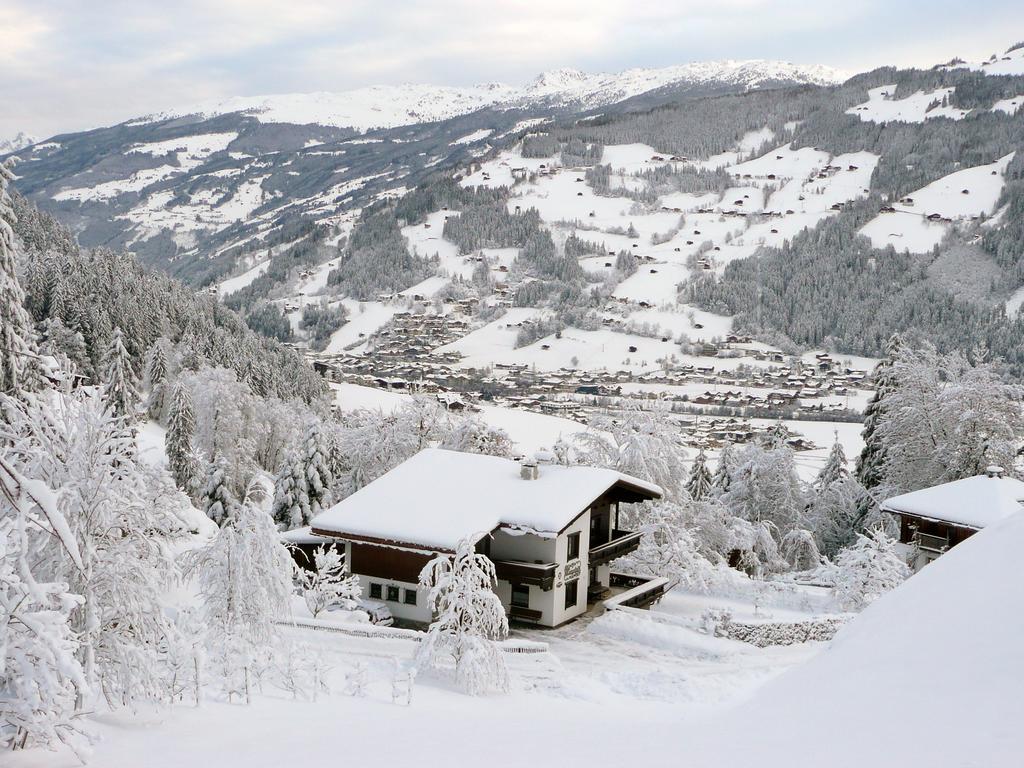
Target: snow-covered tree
column 722, row 478
column 699, row 483
column 123, row 569
column 19, row 367
column 836, row 513
column 645, row 445
column 40, row 675
column 327, row 585
column 765, row 486
column 219, row 504
column 799, row 549
column 244, row 577
column 319, row 480
column 946, row 419
column 290, row 509
column 834, row 469
column 468, row 619
column 669, row 548
column 867, row 570
column 872, row 455
column 181, row 424
column 119, row 387
column 156, row 379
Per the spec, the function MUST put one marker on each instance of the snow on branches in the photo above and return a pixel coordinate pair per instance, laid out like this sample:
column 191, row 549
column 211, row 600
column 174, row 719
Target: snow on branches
column 327, row 586
column 469, row 618
column 867, row 570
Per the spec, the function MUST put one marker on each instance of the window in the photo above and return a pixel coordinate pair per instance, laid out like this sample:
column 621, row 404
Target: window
column 410, row 597
column 574, row 546
column 375, row 592
column 572, row 590
column 392, row 594
column 521, row 595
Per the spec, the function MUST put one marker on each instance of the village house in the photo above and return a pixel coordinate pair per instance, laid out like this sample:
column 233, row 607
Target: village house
column 550, row 530
column 934, row 519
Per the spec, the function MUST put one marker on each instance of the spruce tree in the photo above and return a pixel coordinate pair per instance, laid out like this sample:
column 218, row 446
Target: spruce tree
column 219, row 504
column 156, row 378
column 834, row 469
column 723, row 477
column 700, row 481
column 319, row 480
column 181, row 426
column 291, row 497
column 19, row 364
column 119, row 387
column 872, row 456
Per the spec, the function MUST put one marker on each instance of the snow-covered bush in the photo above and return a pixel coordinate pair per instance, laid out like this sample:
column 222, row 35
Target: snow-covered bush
column 867, row 570
column 326, row 586
column 469, row 618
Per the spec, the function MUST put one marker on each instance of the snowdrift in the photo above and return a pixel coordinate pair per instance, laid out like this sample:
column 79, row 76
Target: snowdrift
column 928, row 675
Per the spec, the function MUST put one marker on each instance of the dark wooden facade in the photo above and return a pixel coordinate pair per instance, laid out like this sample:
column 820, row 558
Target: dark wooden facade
column 387, row 562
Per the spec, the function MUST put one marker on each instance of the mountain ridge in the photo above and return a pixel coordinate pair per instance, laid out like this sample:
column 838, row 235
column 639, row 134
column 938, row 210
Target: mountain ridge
column 377, row 107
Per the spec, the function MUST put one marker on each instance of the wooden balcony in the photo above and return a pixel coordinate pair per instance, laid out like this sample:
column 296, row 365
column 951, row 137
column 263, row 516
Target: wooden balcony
column 530, row 574
column 622, row 543
column 930, row 543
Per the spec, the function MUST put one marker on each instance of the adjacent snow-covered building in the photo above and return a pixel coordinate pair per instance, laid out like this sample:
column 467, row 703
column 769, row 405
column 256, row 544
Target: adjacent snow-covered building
column 934, row 519
column 550, row 530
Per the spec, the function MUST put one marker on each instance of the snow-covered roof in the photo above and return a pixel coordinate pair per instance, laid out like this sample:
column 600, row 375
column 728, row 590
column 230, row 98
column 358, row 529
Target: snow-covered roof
column 302, row 535
column 974, row 501
column 438, row 497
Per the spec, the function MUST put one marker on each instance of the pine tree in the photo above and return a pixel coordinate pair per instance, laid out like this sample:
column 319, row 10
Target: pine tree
column 872, row 456
column 834, row 469
column 119, row 386
column 219, row 503
column 700, row 482
column 290, row 509
column 19, row 365
column 178, row 440
column 316, row 471
column 156, row 379
column 469, row 617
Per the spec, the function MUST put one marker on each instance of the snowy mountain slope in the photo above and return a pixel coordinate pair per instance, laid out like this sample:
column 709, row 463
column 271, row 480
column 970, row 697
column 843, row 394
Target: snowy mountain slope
column 922, row 219
column 390, row 106
column 16, row 143
column 198, row 190
column 927, row 675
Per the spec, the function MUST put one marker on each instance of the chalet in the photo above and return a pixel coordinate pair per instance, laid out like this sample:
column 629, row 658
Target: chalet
column 550, row 530
column 934, row 519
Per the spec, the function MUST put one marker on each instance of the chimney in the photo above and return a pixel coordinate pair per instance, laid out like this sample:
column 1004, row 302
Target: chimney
column 528, row 470
column 994, row 470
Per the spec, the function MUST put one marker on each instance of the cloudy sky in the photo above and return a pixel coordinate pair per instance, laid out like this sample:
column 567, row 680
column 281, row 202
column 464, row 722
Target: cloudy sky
column 69, row 65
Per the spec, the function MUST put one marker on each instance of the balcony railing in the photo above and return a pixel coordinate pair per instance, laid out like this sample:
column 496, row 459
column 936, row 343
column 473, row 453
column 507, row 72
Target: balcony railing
column 638, row 591
column 530, row 574
column 931, row 543
column 622, row 543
